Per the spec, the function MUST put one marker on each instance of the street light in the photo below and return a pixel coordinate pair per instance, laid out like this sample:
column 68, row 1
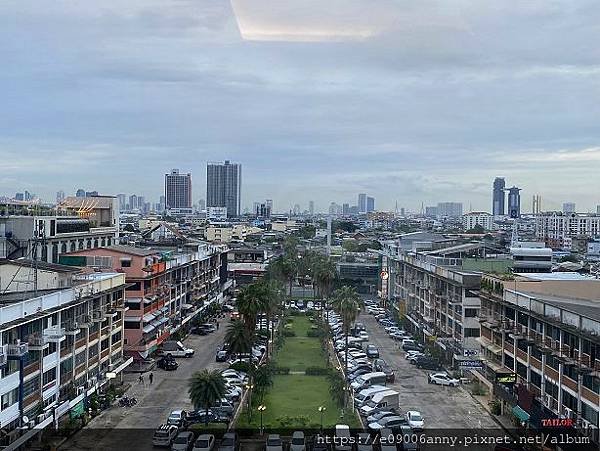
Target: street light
column 261, row 409
column 249, row 387
column 322, row 409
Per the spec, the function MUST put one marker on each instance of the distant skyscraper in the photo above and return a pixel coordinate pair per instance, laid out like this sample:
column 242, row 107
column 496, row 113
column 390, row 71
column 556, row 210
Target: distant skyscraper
column 370, row 204
column 296, row 209
column 362, row 203
column 91, row 194
column 402, row 211
column 178, row 192
column 269, row 204
column 569, row 207
column 311, row 207
column 60, row 196
column 514, row 202
column 598, row 209
column 498, row 197
column 19, row 196
column 450, row 209
column 431, row 212
column 80, row 193
column 201, row 205
column 345, row 209
column 224, row 186
column 536, row 204
column 122, row 198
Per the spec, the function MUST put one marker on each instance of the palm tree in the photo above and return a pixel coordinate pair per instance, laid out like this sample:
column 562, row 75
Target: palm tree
column 205, row 389
column 347, row 303
column 263, row 379
column 237, row 338
column 337, row 388
column 271, row 304
column 324, row 275
column 250, row 302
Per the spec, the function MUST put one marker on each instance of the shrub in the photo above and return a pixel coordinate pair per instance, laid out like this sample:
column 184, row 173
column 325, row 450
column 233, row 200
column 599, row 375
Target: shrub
column 241, row 366
column 315, row 333
column 495, row 407
column 289, row 333
column 316, row 371
column 281, row 370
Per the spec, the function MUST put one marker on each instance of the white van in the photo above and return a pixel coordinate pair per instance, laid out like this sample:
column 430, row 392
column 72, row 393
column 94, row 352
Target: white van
column 176, row 349
column 384, row 400
column 365, row 395
column 368, row 380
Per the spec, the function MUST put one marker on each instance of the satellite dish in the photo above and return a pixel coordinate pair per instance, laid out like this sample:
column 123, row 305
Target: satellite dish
column 25, row 420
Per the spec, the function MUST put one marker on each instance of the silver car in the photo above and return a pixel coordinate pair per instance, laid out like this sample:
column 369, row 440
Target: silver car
column 298, row 442
column 274, row 443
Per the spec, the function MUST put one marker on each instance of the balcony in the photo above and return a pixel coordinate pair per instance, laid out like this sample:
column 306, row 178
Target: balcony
column 55, row 334
column 38, row 342
column 72, row 328
column 85, row 321
column 17, row 350
column 3, row 355
column 97, row 316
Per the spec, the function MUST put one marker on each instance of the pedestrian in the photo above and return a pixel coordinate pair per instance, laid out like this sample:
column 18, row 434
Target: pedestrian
column 151, row 377
column 217, row 325
column 141, row 379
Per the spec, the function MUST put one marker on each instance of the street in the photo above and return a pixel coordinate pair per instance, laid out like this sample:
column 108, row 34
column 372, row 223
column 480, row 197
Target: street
column 442, row 407
column 133, row 427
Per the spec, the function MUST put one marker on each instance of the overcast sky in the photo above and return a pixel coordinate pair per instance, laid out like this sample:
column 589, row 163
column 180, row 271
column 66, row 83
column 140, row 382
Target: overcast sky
column 408, row 101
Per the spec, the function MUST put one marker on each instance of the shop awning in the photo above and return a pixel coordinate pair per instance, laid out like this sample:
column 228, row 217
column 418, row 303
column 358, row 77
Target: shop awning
column 187, row 306
column 149, row 328
column 520, row 414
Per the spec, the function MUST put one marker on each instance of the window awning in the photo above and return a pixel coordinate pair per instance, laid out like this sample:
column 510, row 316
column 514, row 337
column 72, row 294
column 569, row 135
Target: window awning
column 187, row 306
column 149, row 328
column 520, row 413
column 149, row 316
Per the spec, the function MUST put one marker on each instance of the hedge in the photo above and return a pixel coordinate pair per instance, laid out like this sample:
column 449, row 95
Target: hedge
column 281, row 370
column 317, row 371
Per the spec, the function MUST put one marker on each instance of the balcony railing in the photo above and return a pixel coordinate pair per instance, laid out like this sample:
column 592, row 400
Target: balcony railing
column 17, row 350
column 38, row 341
column 72, row 328
column 54, row 333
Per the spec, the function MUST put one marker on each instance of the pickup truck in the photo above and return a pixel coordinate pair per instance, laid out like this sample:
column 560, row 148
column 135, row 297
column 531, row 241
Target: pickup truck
column 175, row 349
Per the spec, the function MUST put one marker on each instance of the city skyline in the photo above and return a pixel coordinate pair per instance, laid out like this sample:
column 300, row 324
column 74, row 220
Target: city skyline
column 340, row 104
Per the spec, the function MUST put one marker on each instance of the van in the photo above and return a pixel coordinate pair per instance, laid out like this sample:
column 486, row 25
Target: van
column 342, row 438
column 384, row 400
column 176, row 349
column 369, row 379
column 365, row 395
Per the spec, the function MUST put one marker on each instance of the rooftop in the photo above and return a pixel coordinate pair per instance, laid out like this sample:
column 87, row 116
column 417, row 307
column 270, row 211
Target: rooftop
column 42, row 266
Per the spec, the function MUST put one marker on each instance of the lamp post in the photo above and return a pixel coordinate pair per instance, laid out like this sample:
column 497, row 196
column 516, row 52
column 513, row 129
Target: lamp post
column 261, row 409
column 249, row 387
column 321, row 410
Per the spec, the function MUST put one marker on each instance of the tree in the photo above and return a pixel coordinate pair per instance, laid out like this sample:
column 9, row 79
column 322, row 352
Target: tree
column 250, row 302
column 237, row 338
column 324, row 275
column 347, row 303
column 263, row 379
column 205, row 389
column 337, row 388
column 478, row 229
column 345, row 226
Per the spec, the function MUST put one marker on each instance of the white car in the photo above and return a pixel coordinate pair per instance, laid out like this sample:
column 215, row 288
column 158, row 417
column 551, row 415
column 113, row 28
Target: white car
column 443, row 379
column 298, row 442
column 410, row 354
column 363, row 335
column 204, row 442
column 415, row 420
column 235, row 373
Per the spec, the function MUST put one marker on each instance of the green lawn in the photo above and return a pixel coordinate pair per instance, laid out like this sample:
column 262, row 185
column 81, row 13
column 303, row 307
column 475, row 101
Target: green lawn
column 293, row 399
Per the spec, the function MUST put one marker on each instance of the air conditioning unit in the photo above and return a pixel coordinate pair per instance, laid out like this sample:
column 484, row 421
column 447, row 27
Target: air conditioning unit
column 80, row 390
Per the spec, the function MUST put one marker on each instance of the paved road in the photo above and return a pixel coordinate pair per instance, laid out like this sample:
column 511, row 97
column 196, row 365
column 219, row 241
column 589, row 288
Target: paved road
column 441, row 407
column 132, row 428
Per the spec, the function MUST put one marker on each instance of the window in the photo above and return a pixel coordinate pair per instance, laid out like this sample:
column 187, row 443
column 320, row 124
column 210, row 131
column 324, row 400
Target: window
column 471, row 332
column 51, row 349
column 470, row 312
column 80, row 358
column 589, row 413
column 132, row 325
column 536, row 379
column 10, row 398
column 126, row 263
column 591, row 383
column 31, row 386
column 49, row 376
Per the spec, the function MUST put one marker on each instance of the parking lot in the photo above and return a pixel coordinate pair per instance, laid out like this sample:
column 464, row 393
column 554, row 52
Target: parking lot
column 132, row 427
column 442, row 407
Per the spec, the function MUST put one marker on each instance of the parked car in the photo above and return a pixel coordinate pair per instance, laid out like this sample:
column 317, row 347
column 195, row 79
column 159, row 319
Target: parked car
column 380, row 415
column 409, row 442
column 392, row 422
column 387, row 440
column 204, row 442
column 200, row 416
column 221, row 356
column 175, row 349
column 164, row 435
column 167, row 363
column 382, row 366
column 273, row 443
column 415, row 420
column 229, row 442
column 183, row 442
column 428, row 363
column 412, row 353
column 412, row 346
column 178, row 418
column 443, row 379
column 319, row 443
column 298, row 442
column 372, row 352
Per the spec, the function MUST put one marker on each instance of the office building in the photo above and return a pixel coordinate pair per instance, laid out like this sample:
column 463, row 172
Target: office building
column 162, row 296
column 498, row 196
column 478, row 218
column 345, row 209
column 57, row 345
column 449, row 209
column 19, row 196
column 514, row 202
column 80, row 193
column 60, row 196
column 91, row 193
column 224, row 186
column 568, row 207
column 370, row 204
column 122, row 199
column 311, row 207
column 362, row 203
column 556, row 228
column 178, row 193
column 431, row 212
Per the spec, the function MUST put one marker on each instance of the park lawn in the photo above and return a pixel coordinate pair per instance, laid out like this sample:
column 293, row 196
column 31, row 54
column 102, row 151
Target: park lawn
column 300, row 352
column 297, row 396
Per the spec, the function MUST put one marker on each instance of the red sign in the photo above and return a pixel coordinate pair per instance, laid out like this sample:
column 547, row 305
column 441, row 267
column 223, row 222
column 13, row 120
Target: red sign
column 557, row 422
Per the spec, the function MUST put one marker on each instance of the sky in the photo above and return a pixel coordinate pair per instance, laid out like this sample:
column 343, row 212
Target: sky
column 408, row 101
